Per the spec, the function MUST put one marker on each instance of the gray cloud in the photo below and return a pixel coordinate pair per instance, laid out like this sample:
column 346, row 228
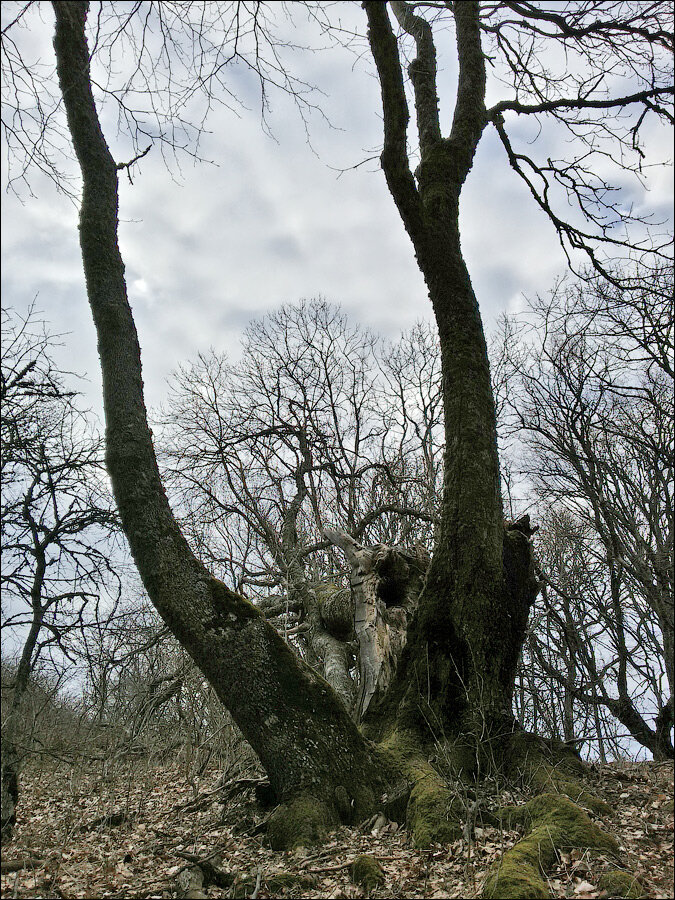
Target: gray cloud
column 210, row 247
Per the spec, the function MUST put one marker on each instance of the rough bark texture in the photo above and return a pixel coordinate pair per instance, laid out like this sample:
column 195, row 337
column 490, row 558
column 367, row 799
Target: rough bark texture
column 303, row 735
column 9, row 790
column 470, row 622
column 10, row 764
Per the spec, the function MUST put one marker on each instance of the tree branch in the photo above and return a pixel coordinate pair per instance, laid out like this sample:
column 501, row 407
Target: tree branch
column 582, row 103
column 394, row 158
column 422, row 71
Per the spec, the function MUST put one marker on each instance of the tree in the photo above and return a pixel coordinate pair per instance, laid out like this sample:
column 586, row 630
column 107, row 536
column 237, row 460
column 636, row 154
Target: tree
column 56, row 519
column 591, row 379
column 303, row 433
column 466, row 593
column 458, row 668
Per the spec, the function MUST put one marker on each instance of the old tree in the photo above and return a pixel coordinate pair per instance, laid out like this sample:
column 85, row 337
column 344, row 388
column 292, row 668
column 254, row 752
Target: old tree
column 596, row 74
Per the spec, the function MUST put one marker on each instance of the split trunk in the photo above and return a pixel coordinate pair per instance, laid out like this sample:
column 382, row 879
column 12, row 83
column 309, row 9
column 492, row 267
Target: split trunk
column 456, row 672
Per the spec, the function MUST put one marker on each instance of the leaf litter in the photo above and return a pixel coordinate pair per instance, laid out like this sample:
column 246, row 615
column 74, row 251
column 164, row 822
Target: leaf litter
column 83, row 833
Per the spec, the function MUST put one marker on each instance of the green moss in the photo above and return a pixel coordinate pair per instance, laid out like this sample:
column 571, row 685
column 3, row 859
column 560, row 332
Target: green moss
column 549, row 768
column 621, row 884
column 513, row 879
column 550, row 778
column 304, row 822
column 227, row 602
column 337, row 612
column 458, row 758
column 396, row 750
column 287, row 881
column 434, row 814
column 367, row 871
column 555, row 823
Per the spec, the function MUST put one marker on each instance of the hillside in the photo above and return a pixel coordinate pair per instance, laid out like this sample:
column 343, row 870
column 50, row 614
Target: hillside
column 84, row 832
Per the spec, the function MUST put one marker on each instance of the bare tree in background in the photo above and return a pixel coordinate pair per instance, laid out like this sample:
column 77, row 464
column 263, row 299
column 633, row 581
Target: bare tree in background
column 56, row 518
column 591, row 385
column 302, row 434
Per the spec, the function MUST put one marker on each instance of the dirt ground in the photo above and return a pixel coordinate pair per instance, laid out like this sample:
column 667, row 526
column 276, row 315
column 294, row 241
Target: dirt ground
column 83, row 832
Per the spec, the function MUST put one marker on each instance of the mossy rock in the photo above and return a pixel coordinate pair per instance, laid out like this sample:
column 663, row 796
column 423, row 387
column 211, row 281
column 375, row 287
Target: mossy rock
column 304, row 822
column 555, row 823
column 366, row 871
column 621, row 884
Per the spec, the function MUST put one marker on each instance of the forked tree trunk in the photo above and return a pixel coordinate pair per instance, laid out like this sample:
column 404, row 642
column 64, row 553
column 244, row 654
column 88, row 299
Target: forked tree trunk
column 458, row 665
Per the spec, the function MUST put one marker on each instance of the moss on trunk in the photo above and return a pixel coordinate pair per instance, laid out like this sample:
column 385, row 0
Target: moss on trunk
column 541, row 766
column 304, row 822
column 432, row 812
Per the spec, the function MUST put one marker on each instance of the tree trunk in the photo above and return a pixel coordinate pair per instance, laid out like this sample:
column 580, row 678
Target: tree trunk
column 303, row 735
column 470, row 623
column 10, row 764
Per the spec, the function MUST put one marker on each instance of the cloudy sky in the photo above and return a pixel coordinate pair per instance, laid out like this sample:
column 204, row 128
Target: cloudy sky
column 208, row 247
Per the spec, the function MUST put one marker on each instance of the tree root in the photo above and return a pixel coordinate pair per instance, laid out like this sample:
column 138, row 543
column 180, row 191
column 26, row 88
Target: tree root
column 546, row 768
column 554, row 823
column 302, row 822
column 434, row 814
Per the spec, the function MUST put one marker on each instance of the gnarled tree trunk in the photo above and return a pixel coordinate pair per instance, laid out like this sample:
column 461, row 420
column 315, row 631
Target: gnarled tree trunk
column 386, row 583
column 457, row 667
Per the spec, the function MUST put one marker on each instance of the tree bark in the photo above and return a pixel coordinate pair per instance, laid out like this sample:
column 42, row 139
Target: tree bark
column 300, row 730
column 385, row 584
column 10, row 764
column 471, row 619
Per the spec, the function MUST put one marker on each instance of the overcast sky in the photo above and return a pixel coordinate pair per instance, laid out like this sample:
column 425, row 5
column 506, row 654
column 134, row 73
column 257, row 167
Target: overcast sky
column 213, row 246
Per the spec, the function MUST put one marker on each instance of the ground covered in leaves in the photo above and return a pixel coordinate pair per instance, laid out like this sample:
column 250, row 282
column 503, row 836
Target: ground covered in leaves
column 128, row 830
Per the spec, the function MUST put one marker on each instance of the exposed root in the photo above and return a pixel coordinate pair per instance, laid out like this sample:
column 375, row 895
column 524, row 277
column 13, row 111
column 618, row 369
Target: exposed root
column 303, row 822
column 545, row 768
column 554, row 823
column 433, row 813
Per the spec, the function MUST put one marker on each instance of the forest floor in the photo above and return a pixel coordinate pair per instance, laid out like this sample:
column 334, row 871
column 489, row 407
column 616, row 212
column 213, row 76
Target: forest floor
column 85, row 833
